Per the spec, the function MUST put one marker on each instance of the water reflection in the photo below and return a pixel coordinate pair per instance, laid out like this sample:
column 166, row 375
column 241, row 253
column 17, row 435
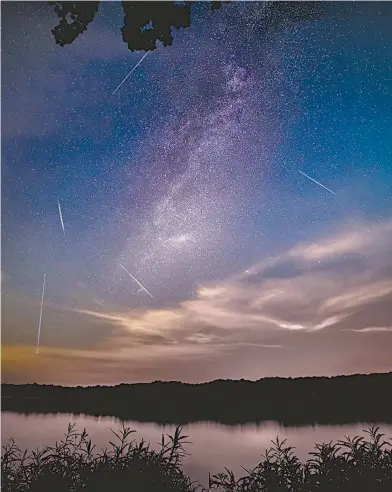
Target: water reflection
column 213, row 447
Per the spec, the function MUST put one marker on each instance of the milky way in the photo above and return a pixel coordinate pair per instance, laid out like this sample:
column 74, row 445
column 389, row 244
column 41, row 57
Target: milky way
column 196, row 192
column 188, row 177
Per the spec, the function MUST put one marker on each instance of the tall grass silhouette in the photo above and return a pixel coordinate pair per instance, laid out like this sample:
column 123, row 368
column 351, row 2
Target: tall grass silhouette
column 351, row 465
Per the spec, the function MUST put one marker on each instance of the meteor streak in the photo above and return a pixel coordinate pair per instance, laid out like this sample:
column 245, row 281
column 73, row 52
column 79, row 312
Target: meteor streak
column 333, row 193
column 137, row 281
column 133, row 69
column 40, row 314
column 61, row 217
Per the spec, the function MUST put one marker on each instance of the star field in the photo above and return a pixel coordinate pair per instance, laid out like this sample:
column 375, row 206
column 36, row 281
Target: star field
column 189, row 175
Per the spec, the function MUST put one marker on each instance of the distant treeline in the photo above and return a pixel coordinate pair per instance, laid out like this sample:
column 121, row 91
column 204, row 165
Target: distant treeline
column 299, row 401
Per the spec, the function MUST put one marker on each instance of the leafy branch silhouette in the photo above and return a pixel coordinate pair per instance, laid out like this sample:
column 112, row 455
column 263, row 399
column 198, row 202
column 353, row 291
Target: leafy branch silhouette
column 145, row 23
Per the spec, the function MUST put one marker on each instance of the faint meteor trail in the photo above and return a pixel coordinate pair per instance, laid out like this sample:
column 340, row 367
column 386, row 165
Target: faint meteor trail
column 137, row 281
column 333, row 193
column 40, row 314
column 133, row 69
column 61, row 217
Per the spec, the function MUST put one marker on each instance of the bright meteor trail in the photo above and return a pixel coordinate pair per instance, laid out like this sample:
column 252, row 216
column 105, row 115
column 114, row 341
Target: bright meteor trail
column 61, row 217
column 333, row 193
column 40, row 314
column 137, row 281
column 133, row 69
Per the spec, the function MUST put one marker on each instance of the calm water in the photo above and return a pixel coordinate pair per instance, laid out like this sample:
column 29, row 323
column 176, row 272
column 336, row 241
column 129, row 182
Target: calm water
column 213, row 447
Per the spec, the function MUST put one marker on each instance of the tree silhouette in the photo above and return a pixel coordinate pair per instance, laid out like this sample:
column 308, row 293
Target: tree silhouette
column 74, row 19
column 145, row 23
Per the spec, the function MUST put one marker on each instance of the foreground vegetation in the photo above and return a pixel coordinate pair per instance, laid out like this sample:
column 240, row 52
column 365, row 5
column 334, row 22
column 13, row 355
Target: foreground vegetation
column 356, row 464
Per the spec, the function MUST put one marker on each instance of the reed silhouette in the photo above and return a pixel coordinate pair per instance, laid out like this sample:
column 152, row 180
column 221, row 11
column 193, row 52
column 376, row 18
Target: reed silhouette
column 300, row 401
column 72, row 465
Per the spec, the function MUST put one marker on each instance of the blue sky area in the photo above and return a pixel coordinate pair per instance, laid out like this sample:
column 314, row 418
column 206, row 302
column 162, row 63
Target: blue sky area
column 188, row 176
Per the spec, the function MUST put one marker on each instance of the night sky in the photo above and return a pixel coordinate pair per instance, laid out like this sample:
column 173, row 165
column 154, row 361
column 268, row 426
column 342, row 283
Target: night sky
column 189, row 176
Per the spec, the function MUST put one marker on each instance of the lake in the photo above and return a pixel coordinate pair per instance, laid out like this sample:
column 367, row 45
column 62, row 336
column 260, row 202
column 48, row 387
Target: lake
column 213, row 447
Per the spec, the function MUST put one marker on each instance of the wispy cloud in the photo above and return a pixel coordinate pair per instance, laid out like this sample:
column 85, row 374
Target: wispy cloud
column 374, row 329
column 361, row 239
column 261, row 309
column 308, row 300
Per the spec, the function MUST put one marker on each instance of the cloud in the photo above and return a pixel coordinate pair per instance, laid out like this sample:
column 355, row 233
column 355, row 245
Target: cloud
column 330, row 248
column 312, row 299
column 374, row 329
column 317, row 315
column 363, row 240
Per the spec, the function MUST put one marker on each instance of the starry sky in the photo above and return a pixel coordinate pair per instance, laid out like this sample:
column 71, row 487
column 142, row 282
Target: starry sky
column 189, row 176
